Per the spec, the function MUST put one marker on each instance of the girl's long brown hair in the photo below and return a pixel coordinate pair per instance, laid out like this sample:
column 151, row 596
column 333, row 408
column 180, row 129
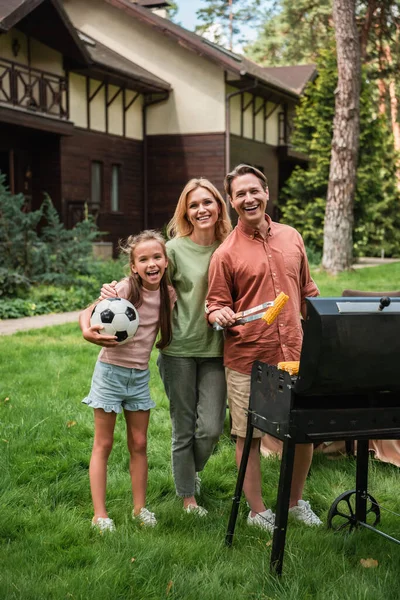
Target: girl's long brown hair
column 136, row 286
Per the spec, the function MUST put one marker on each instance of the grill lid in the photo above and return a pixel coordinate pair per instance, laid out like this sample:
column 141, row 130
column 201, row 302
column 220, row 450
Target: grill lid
column 350, row 346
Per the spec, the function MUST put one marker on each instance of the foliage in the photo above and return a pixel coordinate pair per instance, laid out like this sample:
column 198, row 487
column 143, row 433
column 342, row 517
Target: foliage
column 377, row 215
column 292, row 33
column 48, row 550
column 36, row 247
column 43, row 299
column 172, row 10
column 221, row 19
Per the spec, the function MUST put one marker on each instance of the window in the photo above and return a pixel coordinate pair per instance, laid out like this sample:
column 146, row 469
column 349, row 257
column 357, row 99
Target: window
column 96, row 193
column 115, row 173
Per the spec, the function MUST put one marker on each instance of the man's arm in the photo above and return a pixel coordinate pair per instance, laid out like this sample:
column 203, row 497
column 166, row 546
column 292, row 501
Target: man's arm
column 219, row 297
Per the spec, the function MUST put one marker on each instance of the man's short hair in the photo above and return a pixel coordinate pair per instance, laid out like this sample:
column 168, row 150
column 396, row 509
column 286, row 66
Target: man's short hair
column 243, row 170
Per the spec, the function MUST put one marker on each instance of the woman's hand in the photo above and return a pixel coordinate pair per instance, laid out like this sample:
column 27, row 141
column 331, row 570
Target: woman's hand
column 92, row 334
column 108, row 290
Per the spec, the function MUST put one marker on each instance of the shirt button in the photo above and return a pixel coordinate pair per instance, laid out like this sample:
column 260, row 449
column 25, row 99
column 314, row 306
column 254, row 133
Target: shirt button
column 283, row 345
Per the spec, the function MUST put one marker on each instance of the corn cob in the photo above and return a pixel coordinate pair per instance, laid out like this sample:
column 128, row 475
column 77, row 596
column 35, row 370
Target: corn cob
column 292, row 367
column 273, row 311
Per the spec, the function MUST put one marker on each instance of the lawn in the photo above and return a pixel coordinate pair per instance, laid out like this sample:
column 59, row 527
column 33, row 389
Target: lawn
column 48, row 550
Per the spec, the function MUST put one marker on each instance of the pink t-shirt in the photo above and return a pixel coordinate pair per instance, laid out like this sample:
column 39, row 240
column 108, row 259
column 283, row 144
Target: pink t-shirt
column 135, row 354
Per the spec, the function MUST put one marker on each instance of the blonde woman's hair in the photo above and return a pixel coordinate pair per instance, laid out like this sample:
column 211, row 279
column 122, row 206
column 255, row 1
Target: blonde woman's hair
column 180, row 226
column 136, row 285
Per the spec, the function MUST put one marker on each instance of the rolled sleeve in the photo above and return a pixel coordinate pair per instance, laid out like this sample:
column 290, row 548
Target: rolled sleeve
column 219, row 292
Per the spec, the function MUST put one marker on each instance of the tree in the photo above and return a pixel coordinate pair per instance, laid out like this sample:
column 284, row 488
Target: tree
column 339, row 218
column 376, row 216
column 222, row 19
column 172, row 10
column 293, row 33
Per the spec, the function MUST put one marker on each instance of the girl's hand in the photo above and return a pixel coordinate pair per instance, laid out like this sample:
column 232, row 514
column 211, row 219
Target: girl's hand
column 108, row 290
column 91, row 334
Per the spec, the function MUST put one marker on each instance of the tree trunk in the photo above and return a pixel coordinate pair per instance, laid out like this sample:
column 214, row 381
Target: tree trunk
column 394, row 110
column 339, row 218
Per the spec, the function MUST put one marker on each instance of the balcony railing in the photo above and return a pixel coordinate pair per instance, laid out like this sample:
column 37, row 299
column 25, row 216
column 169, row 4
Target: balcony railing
column 33, row 89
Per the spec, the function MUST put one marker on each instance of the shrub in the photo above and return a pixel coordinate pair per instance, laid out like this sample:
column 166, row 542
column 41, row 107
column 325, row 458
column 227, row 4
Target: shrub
column 36, row 248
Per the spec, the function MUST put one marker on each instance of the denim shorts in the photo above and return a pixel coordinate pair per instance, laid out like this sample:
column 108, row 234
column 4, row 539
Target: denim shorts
column 115, row 388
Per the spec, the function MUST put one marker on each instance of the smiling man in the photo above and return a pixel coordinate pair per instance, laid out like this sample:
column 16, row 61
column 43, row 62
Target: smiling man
column 257, row 261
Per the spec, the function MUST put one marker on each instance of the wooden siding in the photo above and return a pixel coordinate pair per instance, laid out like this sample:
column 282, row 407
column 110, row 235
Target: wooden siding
column 77, row 154
column 172, row 161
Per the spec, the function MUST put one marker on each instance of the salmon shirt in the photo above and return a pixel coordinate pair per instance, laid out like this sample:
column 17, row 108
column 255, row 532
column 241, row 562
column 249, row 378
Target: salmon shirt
column 248, row 270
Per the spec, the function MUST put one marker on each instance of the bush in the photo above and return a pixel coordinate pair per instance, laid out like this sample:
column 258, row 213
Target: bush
column 36, row 248
column 44, row 299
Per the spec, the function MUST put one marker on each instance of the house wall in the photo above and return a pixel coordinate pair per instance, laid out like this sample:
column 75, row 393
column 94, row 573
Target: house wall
column 242, row 124
column 197, row 102
column 97, row 109
column 173, row 160
column 42, row 57
column 77, row 153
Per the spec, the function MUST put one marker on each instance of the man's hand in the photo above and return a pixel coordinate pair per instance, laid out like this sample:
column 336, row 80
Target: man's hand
column 225, row 317
column 91, row 334
column 108, row 290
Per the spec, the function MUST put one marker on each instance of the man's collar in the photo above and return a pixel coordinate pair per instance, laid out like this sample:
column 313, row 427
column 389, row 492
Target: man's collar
column 251, row 231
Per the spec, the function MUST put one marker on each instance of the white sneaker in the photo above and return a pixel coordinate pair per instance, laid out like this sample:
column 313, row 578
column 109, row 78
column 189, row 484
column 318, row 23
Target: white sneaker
column 197, row 484
column 103, row 524
column 145, row 518
column 304, row 513
column 200, row 511
column 264, row 520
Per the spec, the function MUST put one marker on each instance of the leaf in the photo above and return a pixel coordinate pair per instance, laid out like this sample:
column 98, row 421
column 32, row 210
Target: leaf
column 369, row 563
column 6, row 400
column 71, row 423
column 133, row 559
column 169, row 586
column 5, row 441
column 269, row 543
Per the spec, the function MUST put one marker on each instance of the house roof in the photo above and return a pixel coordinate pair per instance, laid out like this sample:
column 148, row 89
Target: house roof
column 242, row 71
column 297, row 76
column 47, row 21
column 108, row 63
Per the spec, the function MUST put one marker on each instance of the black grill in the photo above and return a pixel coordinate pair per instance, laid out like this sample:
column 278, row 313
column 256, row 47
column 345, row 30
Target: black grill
column 348, row 387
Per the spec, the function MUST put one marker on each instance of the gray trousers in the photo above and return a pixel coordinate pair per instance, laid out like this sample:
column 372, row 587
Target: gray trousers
column 196, row 390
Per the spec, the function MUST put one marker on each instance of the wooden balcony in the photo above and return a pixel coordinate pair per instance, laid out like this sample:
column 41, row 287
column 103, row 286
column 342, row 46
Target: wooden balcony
column 33, row 90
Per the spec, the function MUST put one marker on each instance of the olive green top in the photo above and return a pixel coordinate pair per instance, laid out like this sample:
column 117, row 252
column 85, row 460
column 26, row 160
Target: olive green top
column 188, row 271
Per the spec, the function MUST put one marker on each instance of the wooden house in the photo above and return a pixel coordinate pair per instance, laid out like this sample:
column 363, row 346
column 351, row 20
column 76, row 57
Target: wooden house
column 108, row 104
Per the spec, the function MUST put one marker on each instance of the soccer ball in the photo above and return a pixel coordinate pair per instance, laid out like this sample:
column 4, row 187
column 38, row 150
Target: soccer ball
column 118, row 316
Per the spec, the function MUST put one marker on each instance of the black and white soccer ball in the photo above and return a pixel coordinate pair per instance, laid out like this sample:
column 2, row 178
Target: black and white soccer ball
column 118, row 316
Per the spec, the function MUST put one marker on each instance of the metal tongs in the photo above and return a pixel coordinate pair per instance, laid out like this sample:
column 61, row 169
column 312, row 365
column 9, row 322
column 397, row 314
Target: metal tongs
column 245, row 316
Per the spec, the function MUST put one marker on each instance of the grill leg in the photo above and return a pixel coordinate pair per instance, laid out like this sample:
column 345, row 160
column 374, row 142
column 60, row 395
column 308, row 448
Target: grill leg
column 282, row 509
column 362, row 480
column 239, row 482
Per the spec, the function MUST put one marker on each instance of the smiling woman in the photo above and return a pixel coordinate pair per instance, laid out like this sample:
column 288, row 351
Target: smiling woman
column 191, row 367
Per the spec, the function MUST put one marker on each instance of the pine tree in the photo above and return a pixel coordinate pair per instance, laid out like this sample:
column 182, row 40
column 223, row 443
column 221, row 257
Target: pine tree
column 223, row 18
column 303, row 200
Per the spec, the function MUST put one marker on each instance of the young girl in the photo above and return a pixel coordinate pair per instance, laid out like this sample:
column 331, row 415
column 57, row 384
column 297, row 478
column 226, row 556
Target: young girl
column 121, row 375
column 191, row 367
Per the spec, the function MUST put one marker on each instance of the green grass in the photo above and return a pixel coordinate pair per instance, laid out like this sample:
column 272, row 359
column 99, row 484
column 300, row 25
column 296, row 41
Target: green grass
column 48, row 550
column 382, row 278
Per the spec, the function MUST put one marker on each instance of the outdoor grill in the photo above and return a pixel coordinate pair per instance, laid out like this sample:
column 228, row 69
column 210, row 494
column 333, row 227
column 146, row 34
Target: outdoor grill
column 348, row 387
